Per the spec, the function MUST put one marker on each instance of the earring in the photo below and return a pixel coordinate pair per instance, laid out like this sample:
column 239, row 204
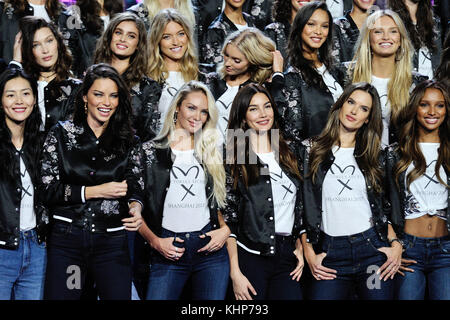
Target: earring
column 175, row 117
column 85, row 107
column 399, row 56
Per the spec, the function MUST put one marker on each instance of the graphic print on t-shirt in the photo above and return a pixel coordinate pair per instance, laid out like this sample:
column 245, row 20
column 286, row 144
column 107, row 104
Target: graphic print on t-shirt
column 286, row 187
column 434, row 174
column 425, row 55
column 26, row 188
column 172, row 91
column 186, row 189
column 345, row 185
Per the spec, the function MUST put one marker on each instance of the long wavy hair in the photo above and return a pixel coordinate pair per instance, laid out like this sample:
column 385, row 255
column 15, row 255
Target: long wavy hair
column 205, row 144
column 257, row 48
column 185, row 7
column 138, row 61
column 282, row 10
column 443, row 70
column 90, row 13
column 53, row 7
column 408, row 142
column 29, row 25
column 422, row 33
column 368, row 137
column 189, row 62
column 238, row 148
column 118, row 134
column 295, row 44
column 401, row 80
column 31, row 134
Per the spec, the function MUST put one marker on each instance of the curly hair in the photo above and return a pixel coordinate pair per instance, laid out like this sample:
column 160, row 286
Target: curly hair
column 282, row 10
column 29, row 25
column 53, row 7
column 138, row 61
column 90, row 13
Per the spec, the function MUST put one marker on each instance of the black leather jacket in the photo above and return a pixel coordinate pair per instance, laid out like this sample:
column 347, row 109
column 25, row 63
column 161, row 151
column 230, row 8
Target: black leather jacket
column 10, row 198
column 312, row 193
column 278, row 32
column 156, row 166
column 71, row 159
column 249, row 212
column 397, row 195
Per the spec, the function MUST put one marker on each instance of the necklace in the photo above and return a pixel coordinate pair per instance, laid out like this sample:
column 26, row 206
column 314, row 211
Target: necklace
column 45, row 78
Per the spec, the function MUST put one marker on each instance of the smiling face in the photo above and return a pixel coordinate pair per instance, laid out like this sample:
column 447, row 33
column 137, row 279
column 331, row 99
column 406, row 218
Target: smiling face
column 259, row 115
column 45, row 48
column 192, row 114
column 125, row 39
column 363, row 5
column 384, row 37
column 235, row 3
column 234, row 60
column 315, row 31
column 102, row 100
column 297, row 4
column 431, row 111
column 174, row 41
column 355, row 111
column 17, row 100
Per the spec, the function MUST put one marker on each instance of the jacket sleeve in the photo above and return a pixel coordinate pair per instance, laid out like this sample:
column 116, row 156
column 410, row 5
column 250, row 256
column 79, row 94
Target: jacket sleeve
column 212, row 45
column 134, row 174
column 230, row 212
column 52, row 190
column 393, row 209
column 291, row 110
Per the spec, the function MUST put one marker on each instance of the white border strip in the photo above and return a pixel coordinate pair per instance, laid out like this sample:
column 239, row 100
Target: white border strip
column 115, row 229
column 62, row 218
column 247, row 249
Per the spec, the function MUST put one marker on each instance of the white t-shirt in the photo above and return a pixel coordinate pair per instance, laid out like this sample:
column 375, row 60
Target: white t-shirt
column 40, row 11
column 223, row 105
column 427, row 194
column 173, row 83
column 381, row 84
column 425, row 67
column 185, row 207
column 41, row 101
column 27, row 215
column 241, row 27
column 334, row 87
column 105, row 21
column 336, row 8
column 346, row 208
column 284, row 193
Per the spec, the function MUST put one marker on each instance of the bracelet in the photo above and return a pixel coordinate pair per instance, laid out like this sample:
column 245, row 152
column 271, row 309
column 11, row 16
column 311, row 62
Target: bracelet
column 395, row 239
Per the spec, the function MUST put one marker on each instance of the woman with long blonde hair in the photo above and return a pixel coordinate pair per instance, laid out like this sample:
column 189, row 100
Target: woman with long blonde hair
column 383, row 58
column 185, row 191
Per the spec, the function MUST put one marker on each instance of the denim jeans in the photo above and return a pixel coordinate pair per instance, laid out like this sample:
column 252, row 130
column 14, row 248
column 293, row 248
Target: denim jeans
column 432, row 269
column 356, row 259
column 73, row 252
column 269, row 275
column 22, row 271
column 209, row 272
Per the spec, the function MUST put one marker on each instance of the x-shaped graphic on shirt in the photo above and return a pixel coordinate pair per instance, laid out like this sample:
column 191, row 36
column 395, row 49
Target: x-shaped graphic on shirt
column 432, row 178
column 426, row 56
column 172, row 91
column 188, row 190
column 287, row 188
column 344, row 184
column 226, row 108
column 25, row 191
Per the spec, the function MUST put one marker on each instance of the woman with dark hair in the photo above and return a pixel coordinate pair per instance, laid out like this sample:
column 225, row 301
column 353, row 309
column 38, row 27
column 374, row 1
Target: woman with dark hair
column 283, row 14
column 124, row 46
column 82, row 25
column 418, row 168
column 443, row 70
column 22, row 220
column 424, row 30
column 351, row 250
column 88, row 174
column 264, row 202
column 43, row 54
column 313, row 84
column 12, row 10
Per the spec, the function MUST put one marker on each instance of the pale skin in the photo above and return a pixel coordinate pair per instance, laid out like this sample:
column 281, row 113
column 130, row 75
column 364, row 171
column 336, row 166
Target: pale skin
column 259, row 117
column 123, row 44
column 233, row 10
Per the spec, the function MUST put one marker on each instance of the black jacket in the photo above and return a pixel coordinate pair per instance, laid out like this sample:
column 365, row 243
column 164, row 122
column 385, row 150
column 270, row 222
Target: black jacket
column 312, row 194
column 345, row 35
column 278, row 32
column 397, row 195
column 249, row 212
column 156, row 167
column 71, row 159
column 10, row 198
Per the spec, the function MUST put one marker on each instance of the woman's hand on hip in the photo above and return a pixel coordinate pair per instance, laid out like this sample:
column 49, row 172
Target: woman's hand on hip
column 218, row 239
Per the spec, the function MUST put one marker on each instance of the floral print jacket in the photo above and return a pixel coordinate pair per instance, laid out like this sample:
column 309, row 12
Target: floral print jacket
column 345, row 36
column 278, row 32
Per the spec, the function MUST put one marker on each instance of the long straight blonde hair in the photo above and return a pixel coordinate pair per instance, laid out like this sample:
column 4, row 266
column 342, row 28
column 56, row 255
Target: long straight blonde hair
column 401, row 80
column 205, row 144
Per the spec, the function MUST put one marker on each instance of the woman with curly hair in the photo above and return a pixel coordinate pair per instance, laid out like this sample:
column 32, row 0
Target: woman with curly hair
column 418, row 168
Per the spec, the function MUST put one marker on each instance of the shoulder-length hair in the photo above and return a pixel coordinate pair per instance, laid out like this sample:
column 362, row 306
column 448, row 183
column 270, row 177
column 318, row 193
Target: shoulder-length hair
column 422, row 32
column 239, row 148
column 53, row 7
column 368, row 137
column 90, row 13
column 295, row 44
column 282, row 10
column 408, row 142
column 185, row 7
column 401, row 80
column 189, row 62
column 205, row 143
column 29, row 25
column 31, row 134
column 118, row 134
column 138, row 61
column 257, row 48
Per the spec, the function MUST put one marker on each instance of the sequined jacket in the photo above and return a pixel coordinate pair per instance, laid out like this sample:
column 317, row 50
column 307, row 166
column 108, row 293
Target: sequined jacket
column 345, row 35
column 279, row 33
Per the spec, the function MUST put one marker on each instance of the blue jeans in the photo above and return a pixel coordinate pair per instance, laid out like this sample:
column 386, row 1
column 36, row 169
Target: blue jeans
column 356, row 259
column 209, row 272
column 432, row 269
column 22, row 271
column 269, row 275
column 73, row 252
